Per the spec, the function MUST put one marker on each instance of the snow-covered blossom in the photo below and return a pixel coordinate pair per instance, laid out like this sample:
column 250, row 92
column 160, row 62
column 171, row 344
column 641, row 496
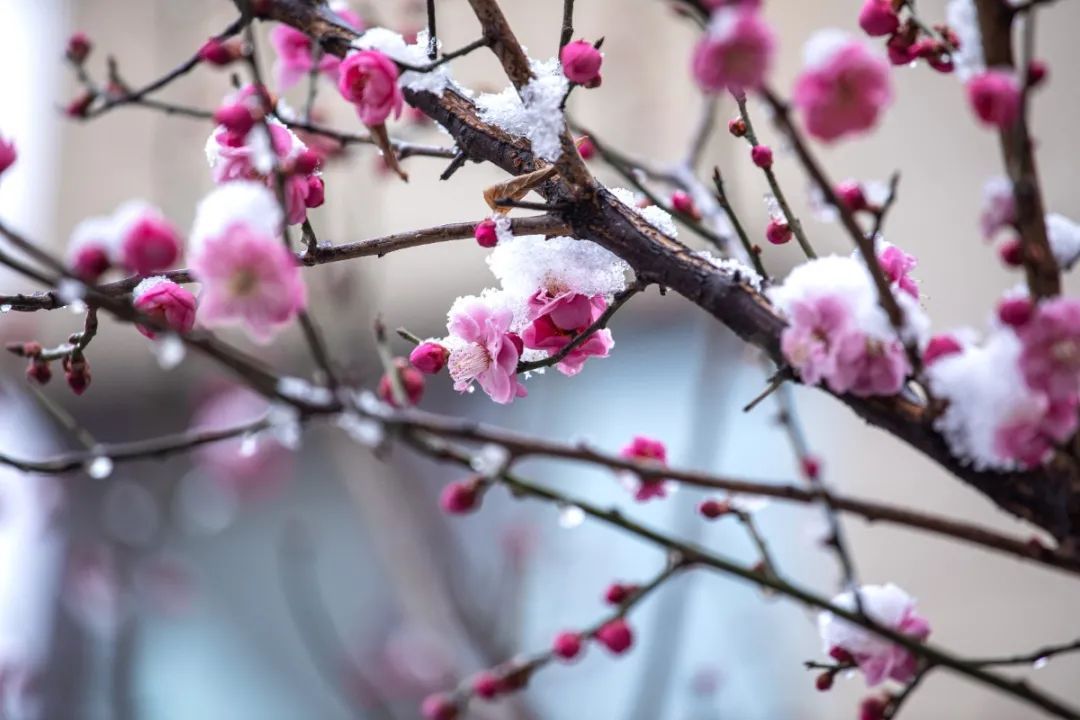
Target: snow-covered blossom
column 558, row 319
column 843, row 87
column 877, row 658
column 998, row 206
column 482, row 347
column 1050, row 358
column 652, row 214
column 963, row 20
column 8, row 154
column 136, row 237
column 995, row 97
column 252, row 150
column 735, row 52
column 294, row 51
column 165, row 301
column 394, row 46
column 556, row 265
column 651, row 452
column 1064, row 237
column 248, row 275
column 581, row 63
column 837, row 331
column 369, row 80
column 536, row 113
column 994, row 419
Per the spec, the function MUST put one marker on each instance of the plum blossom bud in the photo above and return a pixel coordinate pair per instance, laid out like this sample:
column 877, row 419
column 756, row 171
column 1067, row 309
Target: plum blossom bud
column 850, row 193
column 778, row 232
column 149, row 244
column 485, row 234
column 90, row 261
column 901, row 48
column 995, row 97
column 878, row 18
column 1011, row 252
column 368, row 79
column 712, row 509
column 219, row 52
column 7, row 154
column 762, row 156
column 412, row 382
column 567, row 645
column 682, row 202
column 581, row 63
column 78, row 48
column 586, row 148
column 438, row 707
column 941, row 346
column 78, row 107
column 316, row 192
column 306, row 162
column 1037, row 72
column 460, row 497
column 429, row 357
column 165, row 301
column 618, row 593
column 1015, row 311
column 237, row 118
column 872, row 708
column 486, row 685
column 77, row 372
column 810, row 467
column 616, row 636
column 737, row 127
column 38, row 369
column 824, row 681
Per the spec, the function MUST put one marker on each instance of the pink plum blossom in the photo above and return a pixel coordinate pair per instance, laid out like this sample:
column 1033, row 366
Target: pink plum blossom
column 165, row 301
column 897, row 266
column 294, row 51
column 1028, row 435
column 8, row 154
column 866, row 366
column 995, row 97
column 735, row 53
column 581, row 63
column 843, row 89
column 248, row 276
column 650, row 451
column 1050, row 354
column 876, row 657
column 816, row 326
column 558, row 320
column 368, row 79
column 149, row 243
column 482, row 349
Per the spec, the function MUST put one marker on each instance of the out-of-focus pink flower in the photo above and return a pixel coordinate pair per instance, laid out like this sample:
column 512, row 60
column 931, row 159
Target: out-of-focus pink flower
column 581, row 63
column 897, row 266
column 1050, row 356
column 248, row 468
column 648, row 450
column 735, row 53
column 412, row 383
column 877, row 18
column 294, row 58
column 439, row 706
column 7, row 154
column 166, row 302
column 557, row 320
column 843, row 89
column 368, row 79
column 878, row 659
column 1029, row 434
column 995, row 97
column 89, row 261
column 816, row 326
column 149, row 243
column 484, row 350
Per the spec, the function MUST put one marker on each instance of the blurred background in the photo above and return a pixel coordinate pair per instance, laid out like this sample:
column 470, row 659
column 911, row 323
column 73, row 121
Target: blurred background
column 259, row 581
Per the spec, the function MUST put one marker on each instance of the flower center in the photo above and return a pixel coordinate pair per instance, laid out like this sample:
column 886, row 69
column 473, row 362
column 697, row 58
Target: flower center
column 243, row 282
column 1067, row 353
column 468, row 362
